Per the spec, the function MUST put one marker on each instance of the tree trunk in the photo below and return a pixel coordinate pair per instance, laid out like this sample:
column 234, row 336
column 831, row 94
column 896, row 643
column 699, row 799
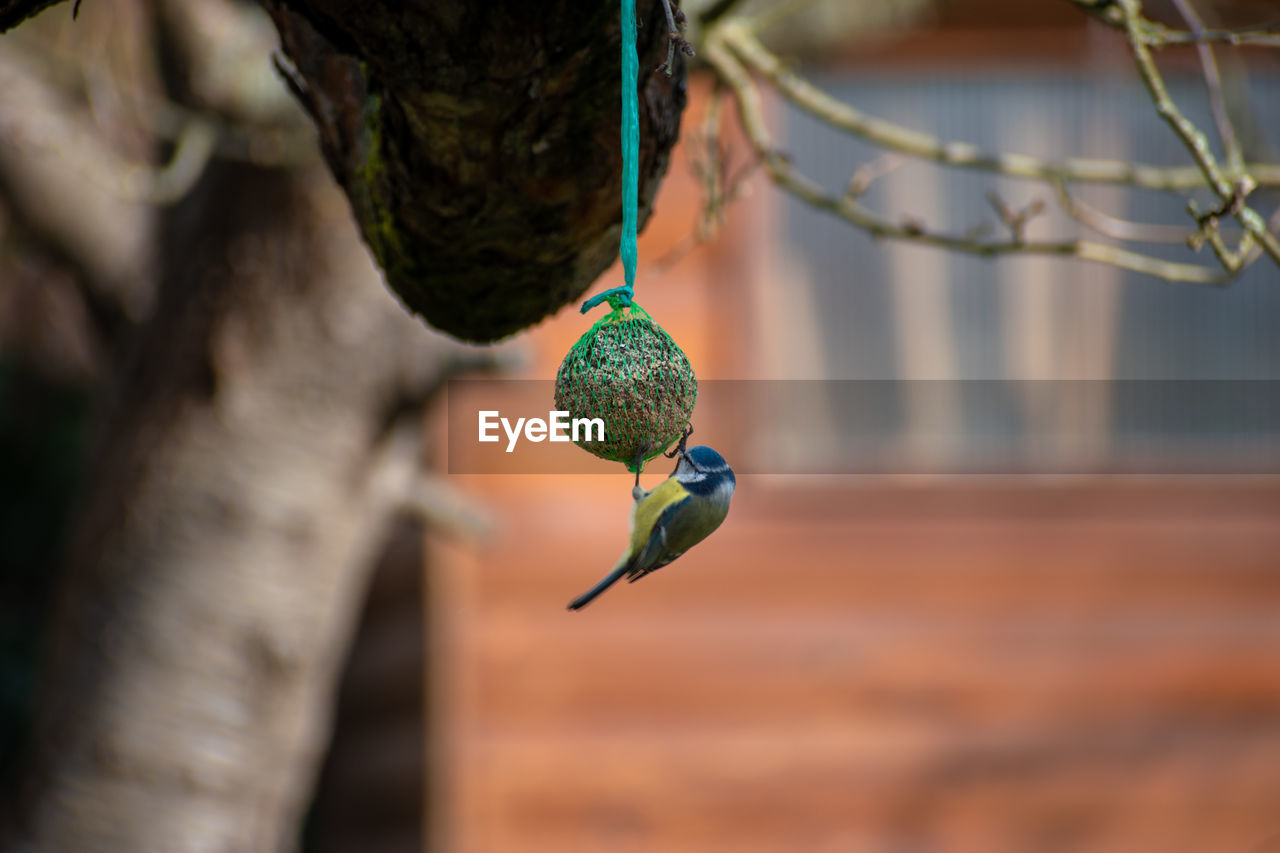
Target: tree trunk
column 240, row 497
column 249, row 468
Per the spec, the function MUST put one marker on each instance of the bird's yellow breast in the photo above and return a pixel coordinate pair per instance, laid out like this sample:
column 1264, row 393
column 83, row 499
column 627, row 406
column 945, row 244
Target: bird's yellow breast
column 645, row 514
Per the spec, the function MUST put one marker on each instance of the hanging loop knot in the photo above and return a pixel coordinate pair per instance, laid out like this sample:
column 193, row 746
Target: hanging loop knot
column 617, row 297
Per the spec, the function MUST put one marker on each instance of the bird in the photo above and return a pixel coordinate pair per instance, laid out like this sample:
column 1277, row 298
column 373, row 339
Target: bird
column 683, row 510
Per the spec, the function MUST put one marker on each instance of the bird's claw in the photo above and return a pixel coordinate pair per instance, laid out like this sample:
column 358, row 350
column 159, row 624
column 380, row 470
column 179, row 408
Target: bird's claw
column 679, row 448
column 639, row 463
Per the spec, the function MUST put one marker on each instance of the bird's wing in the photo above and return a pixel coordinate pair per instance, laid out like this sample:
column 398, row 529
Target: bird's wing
column 655, row 553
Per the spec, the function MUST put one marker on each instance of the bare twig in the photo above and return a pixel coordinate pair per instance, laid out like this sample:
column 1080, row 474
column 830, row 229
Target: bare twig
column 718, row 52
column 1016, row 220
column 1157, row 35
column 1230, row 206
column 1213, row 85
column 721, row 184
column 868, row 173
column 734, row 50
column 712, row 163
column 1227, row 189
column 1209, row 231
column 738, row 37
column 675, row 38
column 1116, row 228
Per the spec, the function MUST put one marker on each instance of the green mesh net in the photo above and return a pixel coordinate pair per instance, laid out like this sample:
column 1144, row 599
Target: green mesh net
column 629, row 373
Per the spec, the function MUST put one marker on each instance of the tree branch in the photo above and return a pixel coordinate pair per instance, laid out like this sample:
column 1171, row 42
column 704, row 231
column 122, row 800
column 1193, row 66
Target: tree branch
column 1158, row 35
column 69, row 189
column 735, row 76
column 1213, row 85
column 1231, row 191
column 742, row 40
column 1116, row 228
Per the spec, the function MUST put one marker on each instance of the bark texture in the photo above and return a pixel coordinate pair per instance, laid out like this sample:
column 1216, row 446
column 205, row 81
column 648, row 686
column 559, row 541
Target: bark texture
column 479, row 143
column 241, row 495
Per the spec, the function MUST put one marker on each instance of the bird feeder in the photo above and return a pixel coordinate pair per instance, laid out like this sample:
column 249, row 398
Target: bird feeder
column 628, row 372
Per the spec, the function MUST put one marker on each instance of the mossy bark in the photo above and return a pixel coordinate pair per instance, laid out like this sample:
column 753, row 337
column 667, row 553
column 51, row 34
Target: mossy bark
column 478, row 144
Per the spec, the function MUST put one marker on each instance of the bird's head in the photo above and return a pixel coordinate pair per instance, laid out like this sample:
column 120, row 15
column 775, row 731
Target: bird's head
column 702, row 469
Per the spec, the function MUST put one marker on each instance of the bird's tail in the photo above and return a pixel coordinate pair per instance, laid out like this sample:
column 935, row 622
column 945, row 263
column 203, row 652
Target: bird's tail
column 609, row 580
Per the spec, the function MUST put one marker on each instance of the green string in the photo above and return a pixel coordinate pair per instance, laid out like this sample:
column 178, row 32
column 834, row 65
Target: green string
column 630, row 164
column 630, row 141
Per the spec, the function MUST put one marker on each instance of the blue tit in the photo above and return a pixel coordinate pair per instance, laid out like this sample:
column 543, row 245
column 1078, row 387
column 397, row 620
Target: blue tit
column 685, row 509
